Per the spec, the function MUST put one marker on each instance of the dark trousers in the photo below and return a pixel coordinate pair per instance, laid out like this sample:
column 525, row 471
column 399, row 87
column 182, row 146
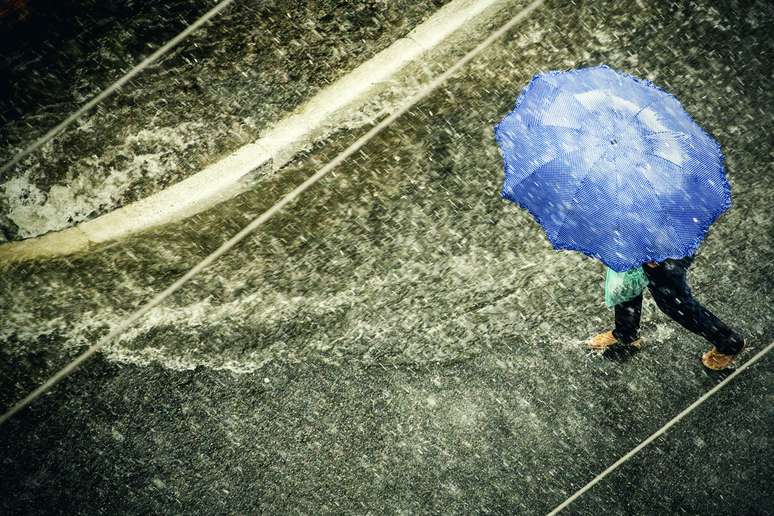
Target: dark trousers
column 673, row 296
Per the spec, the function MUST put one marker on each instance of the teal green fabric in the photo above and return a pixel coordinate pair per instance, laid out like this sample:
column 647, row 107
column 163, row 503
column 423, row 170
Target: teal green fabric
column 623, row 286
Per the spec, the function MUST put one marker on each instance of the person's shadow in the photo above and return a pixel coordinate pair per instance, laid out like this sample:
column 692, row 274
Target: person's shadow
column 620, row 352
column 718, row 376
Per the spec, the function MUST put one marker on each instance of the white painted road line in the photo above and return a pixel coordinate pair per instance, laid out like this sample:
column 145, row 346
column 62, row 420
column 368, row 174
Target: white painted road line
column 661, row 431
column 224, row 179
column 129, row 321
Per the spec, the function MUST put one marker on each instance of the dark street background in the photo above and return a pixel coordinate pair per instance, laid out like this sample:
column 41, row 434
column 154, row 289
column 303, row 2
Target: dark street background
column 401, row 340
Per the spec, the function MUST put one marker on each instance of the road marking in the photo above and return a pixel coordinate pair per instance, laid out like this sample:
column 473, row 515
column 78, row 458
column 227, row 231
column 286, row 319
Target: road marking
column 265, row 216
column 224, row 179
column 661, row 430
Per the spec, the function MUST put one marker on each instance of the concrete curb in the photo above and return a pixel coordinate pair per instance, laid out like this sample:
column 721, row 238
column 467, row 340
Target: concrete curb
column 224, row 179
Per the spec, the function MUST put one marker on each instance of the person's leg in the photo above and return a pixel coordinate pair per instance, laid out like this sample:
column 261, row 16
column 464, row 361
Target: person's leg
column 627, row 325
column 627, row 320
column 673, row 296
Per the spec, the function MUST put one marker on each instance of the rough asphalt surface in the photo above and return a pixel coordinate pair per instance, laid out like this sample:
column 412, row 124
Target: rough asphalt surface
column 401, row 340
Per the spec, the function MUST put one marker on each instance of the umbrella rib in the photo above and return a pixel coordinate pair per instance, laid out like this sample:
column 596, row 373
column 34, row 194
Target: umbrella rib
column 561, row 154
column 577, row 130
column 580, row 130
column 646, row 106
column 580, row 185
column 644, row 153
column 663, row 158
column 643, row 108
column 689, row 158
column 617, row 201
column 662, row 211
column 575, row 101
column 618, row 204
column 667, row 131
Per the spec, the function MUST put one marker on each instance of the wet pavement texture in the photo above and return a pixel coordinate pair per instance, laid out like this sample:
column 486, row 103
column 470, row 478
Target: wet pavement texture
column 246, row 69
column 402, row 340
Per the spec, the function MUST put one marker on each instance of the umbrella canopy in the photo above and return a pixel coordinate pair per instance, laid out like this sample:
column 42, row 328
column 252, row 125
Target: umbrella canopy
column 612, row 166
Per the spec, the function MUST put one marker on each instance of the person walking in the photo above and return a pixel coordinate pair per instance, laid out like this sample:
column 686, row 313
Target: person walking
column 669, row 287
column 612, row 166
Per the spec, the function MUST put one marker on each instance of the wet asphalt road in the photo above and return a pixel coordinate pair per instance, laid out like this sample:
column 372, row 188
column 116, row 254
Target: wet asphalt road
column 242, row 72
column 400, row 339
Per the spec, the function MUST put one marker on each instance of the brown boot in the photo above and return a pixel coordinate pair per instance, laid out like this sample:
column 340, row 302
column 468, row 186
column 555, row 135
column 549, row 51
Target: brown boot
column 715, row 360
column 606, row 340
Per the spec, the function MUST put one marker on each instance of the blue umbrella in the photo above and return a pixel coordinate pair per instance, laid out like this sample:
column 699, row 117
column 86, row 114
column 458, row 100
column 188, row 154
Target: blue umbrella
column 612, row 166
